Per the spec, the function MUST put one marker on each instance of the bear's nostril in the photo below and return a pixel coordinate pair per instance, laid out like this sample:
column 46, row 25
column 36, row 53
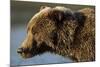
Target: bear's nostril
column 20, row 50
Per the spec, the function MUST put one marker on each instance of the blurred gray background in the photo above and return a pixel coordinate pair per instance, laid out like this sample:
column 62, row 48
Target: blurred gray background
column 21, row 13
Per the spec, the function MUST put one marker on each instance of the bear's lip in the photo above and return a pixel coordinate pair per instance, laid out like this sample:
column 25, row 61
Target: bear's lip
column 26, row 56
column 25, row 53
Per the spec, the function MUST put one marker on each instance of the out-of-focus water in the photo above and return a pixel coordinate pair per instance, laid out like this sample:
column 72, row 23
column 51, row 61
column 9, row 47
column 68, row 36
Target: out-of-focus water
column 17, row 36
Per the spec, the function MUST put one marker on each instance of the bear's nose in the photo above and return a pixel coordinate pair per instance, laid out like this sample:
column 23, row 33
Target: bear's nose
column 20, row 50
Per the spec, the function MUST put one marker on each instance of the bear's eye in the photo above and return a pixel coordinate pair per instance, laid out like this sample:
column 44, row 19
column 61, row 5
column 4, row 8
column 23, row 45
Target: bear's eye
column 33, row 31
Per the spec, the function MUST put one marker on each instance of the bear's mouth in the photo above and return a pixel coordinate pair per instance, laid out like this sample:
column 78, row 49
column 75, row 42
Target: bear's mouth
column 25, row 56
column 31, row 52
column 26, row 53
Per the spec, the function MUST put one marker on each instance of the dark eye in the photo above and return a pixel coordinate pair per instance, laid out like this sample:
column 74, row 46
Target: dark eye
column 33, row 31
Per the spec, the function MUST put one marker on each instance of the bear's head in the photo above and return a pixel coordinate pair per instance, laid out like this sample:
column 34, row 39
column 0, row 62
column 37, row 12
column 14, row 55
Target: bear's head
column 51, row 29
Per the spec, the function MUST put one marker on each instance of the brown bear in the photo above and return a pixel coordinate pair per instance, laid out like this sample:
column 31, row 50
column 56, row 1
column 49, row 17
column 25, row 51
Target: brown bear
column 61, row 31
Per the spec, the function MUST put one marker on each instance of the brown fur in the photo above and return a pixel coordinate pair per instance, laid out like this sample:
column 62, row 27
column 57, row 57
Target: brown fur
column 62, row 31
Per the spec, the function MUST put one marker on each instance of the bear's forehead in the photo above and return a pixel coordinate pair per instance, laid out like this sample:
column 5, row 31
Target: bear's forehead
column 46, row 12
column 41, row 13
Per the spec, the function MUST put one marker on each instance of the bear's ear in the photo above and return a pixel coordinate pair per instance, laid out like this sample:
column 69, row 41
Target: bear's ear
column 42, row 7
column 80, row 17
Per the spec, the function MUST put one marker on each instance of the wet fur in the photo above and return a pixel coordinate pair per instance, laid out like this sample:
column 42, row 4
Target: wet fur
column 62, row 31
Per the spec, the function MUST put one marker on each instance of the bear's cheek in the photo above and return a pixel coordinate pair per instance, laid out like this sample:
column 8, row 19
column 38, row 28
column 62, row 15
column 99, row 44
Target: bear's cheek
column 39, row 37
